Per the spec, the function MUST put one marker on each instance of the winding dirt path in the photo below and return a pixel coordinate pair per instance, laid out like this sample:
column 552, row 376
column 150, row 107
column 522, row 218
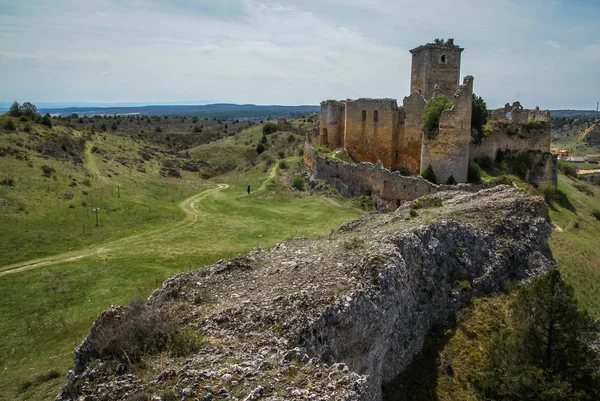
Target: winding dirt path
column 191, row 216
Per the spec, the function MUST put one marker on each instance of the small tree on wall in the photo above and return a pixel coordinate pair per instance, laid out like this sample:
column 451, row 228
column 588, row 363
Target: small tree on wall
column 478, row 119
column 433, row 112
column 429, row 175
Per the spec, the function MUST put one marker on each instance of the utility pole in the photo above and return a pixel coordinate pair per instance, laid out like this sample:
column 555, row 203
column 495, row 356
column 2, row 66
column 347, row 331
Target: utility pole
column 597, row 103
column 96, row 210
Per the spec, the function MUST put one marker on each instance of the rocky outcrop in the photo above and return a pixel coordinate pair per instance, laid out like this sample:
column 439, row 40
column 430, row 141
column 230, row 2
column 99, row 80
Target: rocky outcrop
column 326, row 319
column 592, row 134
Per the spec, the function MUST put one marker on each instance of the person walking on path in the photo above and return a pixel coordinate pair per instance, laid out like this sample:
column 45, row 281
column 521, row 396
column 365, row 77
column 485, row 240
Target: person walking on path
column 248, row 189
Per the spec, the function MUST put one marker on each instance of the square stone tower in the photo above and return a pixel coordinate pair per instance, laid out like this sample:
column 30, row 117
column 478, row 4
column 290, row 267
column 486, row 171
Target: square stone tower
column 434, row 65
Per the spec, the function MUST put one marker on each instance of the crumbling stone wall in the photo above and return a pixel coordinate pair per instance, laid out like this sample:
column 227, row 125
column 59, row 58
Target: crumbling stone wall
column 448, row 151
column 515, row 113
column 388, row 189
column 372, row 128
column 332, row 129
column 436, row 67
column 407, row 154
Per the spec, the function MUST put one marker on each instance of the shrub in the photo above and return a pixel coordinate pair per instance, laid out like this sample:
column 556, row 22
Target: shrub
column 269, row 128
column 9, row 125
column 298, row 182
column 114, row 126
column 15, row 110
column 9, row 182
column 260, row 148
column 184, row 343
column 474, row 173
column 291, row 138
column 521, row 164
column 484, row 162
column 158, row 129
column 567, row 168
column 426, row 202
column 197, row 129
column 46, row 121
column 596, row 214
column 28, row 109
column 429, row 175
column 281, row 154
column 433, row 112
column 478, row 118
column 283, row 165
column 451, row 180
column 47, row 171
column 27, row 128
column 584, row 188
column 23, row 119
column 533, row 124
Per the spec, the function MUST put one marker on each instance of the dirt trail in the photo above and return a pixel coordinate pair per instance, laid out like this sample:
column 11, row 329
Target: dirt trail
column 187, row 205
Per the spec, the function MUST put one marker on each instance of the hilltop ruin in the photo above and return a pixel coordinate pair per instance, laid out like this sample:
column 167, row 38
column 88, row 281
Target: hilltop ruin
column 373, row 130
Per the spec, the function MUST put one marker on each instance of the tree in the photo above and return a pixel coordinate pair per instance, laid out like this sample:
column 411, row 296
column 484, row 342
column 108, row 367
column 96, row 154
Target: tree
column 479, row 116
column 269, row 128
column 433, row 112
column 46, row 121
column 429, row 175
column 547, row 354
column 28, row 109
column 15, row 110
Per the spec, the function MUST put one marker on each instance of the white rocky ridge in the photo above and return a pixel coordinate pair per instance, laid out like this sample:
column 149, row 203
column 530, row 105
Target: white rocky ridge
column 325, row 319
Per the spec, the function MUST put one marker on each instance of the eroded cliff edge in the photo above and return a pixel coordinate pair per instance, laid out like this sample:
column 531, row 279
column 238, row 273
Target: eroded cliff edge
column 326, row 319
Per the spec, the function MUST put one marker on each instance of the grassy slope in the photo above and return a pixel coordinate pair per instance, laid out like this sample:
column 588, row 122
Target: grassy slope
column 147, row 200
column 55, row 305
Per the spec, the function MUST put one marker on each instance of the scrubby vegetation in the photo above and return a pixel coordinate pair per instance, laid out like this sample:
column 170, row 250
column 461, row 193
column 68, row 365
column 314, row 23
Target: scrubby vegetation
column 433, row 112
column 545, row 352
column 429, row 174
column 478, row 119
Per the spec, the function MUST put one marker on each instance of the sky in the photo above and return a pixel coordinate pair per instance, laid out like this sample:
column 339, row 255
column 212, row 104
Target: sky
column 541, row 52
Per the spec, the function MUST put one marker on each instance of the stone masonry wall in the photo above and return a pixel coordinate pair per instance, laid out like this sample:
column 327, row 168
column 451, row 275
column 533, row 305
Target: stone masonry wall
column 388, row 189
column 410, row 137
column 331, row 132
column 436, row 65
column 535, row 140
column 448, row 152
column 371, row 129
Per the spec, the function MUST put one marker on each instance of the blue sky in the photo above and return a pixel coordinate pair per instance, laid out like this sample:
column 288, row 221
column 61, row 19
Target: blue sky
column 541, row 52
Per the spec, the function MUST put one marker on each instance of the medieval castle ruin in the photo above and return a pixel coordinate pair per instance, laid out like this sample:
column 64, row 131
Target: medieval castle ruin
column 377, row 130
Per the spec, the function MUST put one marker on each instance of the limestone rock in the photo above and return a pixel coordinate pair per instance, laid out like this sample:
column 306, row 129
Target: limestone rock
column 331, row 318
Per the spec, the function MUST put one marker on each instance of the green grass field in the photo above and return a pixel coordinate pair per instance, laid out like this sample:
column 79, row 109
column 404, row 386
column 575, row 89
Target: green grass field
column 156, row 228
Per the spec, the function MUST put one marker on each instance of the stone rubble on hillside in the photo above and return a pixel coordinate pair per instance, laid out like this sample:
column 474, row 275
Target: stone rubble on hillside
column 330, row 318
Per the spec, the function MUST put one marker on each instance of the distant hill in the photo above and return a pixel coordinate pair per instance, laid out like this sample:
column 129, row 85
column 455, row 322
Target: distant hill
column 218, row 110
column 575, row 113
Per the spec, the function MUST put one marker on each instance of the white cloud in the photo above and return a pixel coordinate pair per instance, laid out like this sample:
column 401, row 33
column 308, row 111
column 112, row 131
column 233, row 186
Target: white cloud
column 286, row 51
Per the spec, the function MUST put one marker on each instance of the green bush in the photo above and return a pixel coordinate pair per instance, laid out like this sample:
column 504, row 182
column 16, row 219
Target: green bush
column 269, row 128
column 533, row 124
column 484, row 162
column 474, row 173
column 479, row 116
column 298, row 182
column 184, row 343
column 15, row 110
column 46, row 121
column 429, row 175
column 9, row 125
column 426, row 202
column 433, row 112
column 567, row 168
column 451, row 181
column 521, row 164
